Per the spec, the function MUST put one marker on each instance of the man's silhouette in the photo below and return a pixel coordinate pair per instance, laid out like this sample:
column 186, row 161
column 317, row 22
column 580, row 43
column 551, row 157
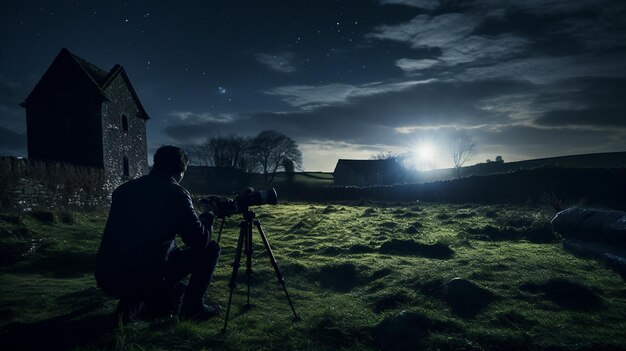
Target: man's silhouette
column 138, row 261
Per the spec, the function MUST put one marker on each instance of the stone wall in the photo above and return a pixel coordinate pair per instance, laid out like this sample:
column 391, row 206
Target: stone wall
column 27, row 185
column 117, row 142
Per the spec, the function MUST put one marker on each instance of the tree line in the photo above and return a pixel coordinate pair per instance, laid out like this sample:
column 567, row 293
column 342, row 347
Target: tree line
column 268, row 152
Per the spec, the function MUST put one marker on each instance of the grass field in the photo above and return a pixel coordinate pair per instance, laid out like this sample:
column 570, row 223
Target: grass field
column 362, row 276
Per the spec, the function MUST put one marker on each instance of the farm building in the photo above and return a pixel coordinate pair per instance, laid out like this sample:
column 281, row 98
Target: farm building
column 368, row 172
column 82, row 115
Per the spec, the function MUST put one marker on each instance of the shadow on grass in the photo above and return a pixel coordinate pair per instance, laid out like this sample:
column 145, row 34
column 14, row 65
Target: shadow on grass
column 65, row 264
column 58, row 333
column 412, row 248
column 566, row 294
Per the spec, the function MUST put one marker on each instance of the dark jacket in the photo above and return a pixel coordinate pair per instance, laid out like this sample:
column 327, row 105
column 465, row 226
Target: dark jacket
column 145, row 216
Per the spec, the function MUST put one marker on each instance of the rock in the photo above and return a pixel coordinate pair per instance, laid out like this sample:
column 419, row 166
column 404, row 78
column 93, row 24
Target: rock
column 591, row 224
column 466, row 297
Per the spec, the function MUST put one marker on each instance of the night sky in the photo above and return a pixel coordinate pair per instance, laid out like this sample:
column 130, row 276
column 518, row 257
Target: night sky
column 345, row 79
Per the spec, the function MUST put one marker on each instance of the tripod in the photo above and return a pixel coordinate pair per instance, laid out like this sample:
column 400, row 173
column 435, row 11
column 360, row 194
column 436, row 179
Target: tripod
column 244, row 244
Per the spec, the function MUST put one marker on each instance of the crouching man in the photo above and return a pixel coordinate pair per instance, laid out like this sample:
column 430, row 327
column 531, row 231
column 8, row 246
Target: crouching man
column 138, row 261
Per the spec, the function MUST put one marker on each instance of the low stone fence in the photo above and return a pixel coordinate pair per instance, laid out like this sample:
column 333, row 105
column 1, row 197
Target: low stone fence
column 26, row 185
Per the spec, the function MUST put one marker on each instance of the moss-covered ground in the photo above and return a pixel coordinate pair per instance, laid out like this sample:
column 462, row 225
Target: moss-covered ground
column 363, row 276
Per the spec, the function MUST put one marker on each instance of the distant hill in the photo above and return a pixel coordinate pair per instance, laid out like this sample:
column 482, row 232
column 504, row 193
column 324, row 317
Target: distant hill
column 597, row 160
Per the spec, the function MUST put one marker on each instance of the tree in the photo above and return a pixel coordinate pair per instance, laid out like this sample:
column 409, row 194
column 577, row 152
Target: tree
column 269, row 148
column 222, row 151
column 499, row 159
column 462, row 148
column 289, row 168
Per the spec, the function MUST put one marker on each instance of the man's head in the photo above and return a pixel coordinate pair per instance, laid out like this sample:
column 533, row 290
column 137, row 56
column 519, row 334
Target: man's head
column 170, row 161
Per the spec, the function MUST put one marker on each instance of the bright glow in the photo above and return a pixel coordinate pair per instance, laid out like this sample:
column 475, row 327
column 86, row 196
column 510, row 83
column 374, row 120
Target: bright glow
column 425, row 152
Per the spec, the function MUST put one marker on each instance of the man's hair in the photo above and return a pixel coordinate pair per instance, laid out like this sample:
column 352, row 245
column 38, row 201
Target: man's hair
column 170, row 160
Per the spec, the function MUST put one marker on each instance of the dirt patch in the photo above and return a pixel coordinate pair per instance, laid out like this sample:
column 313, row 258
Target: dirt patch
column 412, row 248
column 565, row 293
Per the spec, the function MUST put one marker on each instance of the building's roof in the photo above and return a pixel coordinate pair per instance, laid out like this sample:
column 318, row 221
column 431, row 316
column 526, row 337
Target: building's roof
column 100, row 78
column 96, row 73
column 363, row 166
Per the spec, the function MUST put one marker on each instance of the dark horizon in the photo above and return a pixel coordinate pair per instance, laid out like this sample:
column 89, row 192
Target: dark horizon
column 345, row 79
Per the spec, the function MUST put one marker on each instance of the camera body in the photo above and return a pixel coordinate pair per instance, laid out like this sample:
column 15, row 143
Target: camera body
column 225, row 207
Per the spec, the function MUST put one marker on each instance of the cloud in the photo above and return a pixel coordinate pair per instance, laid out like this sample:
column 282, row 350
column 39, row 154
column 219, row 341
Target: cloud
column 409, row 65
column 453, row 34
column 309, row 97
column 426, row 31
column 373, row 115
column 589, row 117
column 474, row 48
column 282, row 62
column 197, row 118
column 423, row 4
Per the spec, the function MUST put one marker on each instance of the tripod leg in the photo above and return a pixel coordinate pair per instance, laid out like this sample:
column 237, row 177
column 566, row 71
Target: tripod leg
column 233, row 278
column 279, row 275
column 219, row 235
column 248, row 246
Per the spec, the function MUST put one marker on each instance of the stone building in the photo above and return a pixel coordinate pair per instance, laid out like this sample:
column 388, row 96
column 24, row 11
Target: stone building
column 82, row 115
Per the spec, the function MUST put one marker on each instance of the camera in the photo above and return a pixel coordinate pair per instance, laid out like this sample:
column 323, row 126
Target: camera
column 224, row 207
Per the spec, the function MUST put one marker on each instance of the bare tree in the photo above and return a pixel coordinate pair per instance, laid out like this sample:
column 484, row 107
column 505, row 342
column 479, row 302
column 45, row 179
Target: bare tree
column 221, row 151
column 462, row 148
column 270, row 148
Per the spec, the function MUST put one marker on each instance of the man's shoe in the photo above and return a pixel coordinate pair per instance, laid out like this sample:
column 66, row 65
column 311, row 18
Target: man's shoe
column 128, row 312
column 202, row 313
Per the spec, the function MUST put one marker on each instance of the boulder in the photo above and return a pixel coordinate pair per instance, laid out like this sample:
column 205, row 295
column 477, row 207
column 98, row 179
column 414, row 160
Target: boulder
column 592, row 224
